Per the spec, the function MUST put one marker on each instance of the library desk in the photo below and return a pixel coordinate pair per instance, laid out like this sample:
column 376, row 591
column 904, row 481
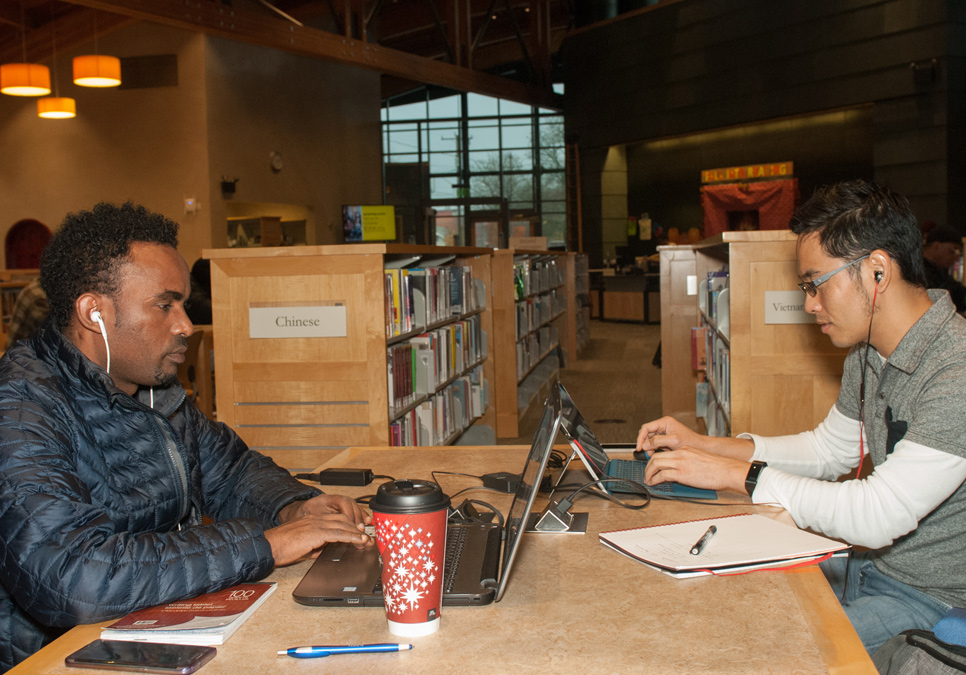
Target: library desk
column 571, row 605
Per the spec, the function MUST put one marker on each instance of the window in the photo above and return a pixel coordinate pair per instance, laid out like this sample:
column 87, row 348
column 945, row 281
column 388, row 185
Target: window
column 479, row 147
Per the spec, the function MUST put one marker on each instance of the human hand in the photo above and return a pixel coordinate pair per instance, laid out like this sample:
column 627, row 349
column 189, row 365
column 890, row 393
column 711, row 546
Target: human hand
column 665, row 433
column 303, row 535
column 325, row 505
column 691, row 466
column 306, row 525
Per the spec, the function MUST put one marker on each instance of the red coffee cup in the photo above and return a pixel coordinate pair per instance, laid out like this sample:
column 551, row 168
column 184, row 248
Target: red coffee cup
column 410, row 522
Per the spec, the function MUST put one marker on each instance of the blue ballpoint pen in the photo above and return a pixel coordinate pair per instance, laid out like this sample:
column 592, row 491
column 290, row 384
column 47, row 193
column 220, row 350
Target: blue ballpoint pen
column 329, row 650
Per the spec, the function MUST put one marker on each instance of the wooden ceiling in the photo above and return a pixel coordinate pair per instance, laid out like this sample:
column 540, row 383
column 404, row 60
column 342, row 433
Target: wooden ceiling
column 501, row 48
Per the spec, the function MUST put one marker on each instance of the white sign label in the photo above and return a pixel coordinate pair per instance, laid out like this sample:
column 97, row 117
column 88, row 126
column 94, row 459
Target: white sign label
column 786, row 307
column 692, row 284
column 297, row 322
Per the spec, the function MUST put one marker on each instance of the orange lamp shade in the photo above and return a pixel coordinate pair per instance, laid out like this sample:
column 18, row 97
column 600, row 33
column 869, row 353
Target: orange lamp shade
column 56, row 108
column 24, row 79
column 97, row 71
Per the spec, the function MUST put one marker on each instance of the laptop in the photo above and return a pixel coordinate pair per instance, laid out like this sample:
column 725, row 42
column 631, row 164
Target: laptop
column 346, row 576
column 599, row 465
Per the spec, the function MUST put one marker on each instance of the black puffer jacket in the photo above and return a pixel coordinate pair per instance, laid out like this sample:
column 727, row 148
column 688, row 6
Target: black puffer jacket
column 101, row 498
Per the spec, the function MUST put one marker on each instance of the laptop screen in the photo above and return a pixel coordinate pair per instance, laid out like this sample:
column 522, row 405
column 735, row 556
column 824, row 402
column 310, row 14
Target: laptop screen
column 579, row 434
column 526, row 493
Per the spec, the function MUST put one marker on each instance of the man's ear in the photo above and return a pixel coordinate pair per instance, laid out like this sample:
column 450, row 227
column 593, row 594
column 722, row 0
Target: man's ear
column 87, row 308
column 880, row 264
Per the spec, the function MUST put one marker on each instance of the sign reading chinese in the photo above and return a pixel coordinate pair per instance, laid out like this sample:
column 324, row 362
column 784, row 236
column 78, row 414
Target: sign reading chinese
column 273, row 321
column 746, row 173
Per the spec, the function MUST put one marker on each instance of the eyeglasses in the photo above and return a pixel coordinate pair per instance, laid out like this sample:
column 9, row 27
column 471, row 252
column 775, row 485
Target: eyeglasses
column 811, row 287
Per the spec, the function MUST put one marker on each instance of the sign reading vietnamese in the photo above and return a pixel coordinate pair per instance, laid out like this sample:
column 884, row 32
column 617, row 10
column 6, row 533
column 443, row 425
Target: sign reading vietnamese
column 297, row 322
column 751, row 172
column 786, row 307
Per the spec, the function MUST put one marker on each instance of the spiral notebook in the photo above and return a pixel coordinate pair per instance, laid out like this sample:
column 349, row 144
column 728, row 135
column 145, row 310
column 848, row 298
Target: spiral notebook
column 740, row 543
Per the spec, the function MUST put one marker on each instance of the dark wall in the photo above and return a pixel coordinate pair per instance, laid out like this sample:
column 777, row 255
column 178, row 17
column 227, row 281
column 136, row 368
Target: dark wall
column 664, row 180
column 678, row 68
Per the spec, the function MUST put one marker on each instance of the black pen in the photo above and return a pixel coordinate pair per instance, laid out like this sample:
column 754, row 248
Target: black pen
column 703, row 541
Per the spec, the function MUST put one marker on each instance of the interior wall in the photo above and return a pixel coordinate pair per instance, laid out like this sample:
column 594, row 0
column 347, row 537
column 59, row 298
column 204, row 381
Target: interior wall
column 144, row 145
column 322, row 120
column 681, row 68
column 664, row 176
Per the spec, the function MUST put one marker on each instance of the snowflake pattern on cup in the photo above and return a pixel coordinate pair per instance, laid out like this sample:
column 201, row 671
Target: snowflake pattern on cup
column 413, row 562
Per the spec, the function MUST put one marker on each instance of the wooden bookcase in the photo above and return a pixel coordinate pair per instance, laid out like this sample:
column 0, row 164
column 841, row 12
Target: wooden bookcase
column 784, row 378
column 509, row 340
column 302, row 400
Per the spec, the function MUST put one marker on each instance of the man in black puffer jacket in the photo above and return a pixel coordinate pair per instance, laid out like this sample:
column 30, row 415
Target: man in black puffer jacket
column 106, row 469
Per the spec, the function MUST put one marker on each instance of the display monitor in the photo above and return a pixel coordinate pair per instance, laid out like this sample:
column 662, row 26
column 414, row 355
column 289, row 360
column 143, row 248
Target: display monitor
column 369, row 223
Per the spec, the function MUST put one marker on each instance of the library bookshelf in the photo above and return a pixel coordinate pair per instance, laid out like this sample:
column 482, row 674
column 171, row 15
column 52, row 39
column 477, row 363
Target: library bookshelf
column 300, row 400
column 535, row 328
column 768, row 378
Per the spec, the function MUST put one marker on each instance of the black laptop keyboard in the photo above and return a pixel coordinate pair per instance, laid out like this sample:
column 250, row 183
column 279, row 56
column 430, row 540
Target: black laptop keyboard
column 631, row 470
column 455, row 541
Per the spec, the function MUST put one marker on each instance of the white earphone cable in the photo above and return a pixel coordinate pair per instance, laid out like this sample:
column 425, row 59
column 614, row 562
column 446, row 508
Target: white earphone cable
column 96, row 316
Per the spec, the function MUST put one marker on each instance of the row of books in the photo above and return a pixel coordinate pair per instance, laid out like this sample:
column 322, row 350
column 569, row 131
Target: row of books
column 538, row 310
column 714, row 395
column 445, row 414
column 535, row 275
column 534, row 347
column 710, row 290
column 420, row 297
column 421, row 364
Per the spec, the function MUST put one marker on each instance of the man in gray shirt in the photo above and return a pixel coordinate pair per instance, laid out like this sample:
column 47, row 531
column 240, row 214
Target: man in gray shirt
column 901, row 403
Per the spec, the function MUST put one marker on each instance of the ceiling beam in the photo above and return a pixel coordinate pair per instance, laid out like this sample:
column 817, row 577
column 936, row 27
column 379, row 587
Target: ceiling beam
column 10, row 15
column 68, row 31
column 215, row 18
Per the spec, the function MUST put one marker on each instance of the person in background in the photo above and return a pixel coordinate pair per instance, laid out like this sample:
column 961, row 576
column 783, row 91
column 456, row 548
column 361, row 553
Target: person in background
column 901, row 403
column 29, row 311
column 943, row 247
column 198, row 304
column 107, row 470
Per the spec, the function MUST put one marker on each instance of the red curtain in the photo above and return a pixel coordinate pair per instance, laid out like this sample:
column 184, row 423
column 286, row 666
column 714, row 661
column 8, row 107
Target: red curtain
column 774, row 200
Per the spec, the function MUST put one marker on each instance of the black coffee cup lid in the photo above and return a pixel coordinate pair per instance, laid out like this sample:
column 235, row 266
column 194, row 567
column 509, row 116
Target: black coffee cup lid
column 409, row 496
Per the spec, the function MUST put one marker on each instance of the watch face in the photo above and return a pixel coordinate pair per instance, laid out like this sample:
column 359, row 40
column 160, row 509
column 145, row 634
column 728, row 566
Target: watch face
column 751, row 480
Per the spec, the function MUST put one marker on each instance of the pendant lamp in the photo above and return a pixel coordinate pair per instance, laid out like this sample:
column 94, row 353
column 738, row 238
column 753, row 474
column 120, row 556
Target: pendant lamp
column 24, row 79
column 97, row 70
column 56, row 108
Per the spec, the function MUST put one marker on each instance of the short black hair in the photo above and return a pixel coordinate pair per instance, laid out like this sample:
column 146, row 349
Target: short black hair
column 84, row 255
column 855, row 217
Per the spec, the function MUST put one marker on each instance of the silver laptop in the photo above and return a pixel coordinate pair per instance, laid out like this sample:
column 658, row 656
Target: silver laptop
column 476, row 574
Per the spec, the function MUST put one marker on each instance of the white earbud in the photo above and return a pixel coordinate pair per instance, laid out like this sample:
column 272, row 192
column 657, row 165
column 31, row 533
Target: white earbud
column 96, row 316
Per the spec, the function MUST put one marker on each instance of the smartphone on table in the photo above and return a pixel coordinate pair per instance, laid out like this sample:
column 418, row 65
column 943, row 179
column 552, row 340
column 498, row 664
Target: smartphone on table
column 141, row 657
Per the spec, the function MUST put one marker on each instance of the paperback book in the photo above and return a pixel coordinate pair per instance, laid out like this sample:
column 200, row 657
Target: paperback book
column 206, row 620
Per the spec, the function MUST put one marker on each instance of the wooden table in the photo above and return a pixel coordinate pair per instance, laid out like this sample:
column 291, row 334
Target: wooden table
column 571, row 605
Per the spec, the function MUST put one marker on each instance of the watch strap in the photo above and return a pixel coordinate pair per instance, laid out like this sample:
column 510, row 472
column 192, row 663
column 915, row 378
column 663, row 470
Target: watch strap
column 751, row 480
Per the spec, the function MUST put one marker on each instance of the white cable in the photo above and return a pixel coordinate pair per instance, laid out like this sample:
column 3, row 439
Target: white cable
column 96, row 316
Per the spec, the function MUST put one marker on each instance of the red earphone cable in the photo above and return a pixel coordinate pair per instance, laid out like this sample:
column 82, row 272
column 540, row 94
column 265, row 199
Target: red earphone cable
column 865, row 363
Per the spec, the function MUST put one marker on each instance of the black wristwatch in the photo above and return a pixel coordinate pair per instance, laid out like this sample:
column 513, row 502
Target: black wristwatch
column 751, row 480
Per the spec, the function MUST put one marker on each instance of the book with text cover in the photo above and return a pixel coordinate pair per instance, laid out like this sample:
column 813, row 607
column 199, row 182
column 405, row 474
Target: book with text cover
column 206, row 620
column 740, row 543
